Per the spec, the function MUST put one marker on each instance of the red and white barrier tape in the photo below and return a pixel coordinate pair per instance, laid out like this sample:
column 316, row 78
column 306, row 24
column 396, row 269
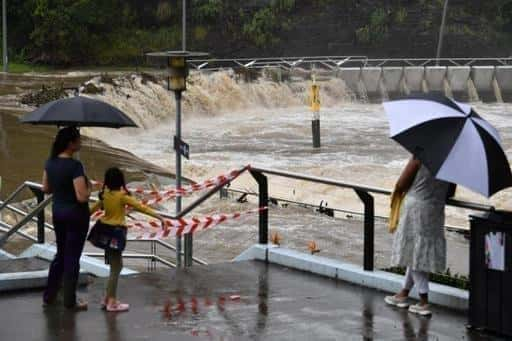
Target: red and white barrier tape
column 179, row 227
column 173, row 193
column 176, row 192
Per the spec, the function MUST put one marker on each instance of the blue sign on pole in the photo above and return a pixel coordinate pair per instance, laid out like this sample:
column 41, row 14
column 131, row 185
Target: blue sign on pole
column 182, row 147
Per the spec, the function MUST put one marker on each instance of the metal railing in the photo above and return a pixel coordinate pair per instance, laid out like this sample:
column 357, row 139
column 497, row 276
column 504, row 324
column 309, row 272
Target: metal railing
column 365, row 194
column 37, row 215
column 336, row 62
column 285, row 63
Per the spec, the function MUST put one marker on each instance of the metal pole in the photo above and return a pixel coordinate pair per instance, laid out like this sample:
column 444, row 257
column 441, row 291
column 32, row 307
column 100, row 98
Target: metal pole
column 40, row 217
column 263, row 202
column 315, row 125
column 441, row 32
column 369, row 229
column 4, row 36
column 178, row 172
column 184, row 27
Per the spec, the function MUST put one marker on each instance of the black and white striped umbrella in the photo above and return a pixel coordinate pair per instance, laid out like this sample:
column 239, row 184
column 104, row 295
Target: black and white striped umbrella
column 451, row 140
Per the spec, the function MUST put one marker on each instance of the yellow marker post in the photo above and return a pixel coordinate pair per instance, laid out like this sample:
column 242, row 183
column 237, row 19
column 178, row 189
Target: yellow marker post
column 314, row 99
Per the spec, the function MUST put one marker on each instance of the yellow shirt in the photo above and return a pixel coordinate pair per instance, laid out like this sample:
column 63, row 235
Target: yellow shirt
column 114, row 204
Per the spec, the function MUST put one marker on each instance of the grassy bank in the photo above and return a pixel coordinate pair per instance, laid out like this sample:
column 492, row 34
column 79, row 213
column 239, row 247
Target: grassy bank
column 23, row 68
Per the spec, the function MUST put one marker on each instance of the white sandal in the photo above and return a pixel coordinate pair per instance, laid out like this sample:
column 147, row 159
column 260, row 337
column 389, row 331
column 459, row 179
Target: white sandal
column 400, row 302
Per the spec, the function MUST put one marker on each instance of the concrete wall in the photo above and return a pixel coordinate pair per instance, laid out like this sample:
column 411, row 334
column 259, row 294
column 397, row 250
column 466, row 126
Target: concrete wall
column 482, row 77
column 458, row 77
column 451, row 81
column 504, row 78
column 370, row 76
column 435, row 75
column 392, row 79
column 414, row 76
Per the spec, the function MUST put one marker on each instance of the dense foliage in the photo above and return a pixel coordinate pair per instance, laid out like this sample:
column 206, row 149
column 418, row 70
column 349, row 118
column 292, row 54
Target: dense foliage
column 70, row 32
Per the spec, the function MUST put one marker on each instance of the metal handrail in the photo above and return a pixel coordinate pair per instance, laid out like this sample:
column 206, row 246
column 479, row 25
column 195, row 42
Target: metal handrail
column 363, row 192
column 135, row 256
column 375, row 190
column 44, row 202
column 23, row 213
column 4, row 227
column 38, row 209
column 167, row 246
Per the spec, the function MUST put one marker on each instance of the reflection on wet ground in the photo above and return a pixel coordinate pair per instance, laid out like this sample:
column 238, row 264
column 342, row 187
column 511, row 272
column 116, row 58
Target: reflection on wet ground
column 230, row 301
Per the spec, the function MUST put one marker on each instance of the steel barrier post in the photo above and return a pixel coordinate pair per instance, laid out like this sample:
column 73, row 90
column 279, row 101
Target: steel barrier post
column 40, row 216
column 263, row 202
column 369, row 229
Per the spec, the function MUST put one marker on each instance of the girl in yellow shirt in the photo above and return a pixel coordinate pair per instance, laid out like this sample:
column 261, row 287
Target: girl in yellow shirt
column 114, row 199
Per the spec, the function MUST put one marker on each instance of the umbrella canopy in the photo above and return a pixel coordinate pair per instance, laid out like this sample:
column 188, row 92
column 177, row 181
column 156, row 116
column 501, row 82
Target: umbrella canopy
column 79, row 111
column 451, row 140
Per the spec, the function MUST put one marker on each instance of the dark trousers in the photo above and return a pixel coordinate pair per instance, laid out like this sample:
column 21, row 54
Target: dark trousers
column 71, row 227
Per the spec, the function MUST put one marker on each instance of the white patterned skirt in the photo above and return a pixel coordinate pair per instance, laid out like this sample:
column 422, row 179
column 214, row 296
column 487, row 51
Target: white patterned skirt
column 419, row 241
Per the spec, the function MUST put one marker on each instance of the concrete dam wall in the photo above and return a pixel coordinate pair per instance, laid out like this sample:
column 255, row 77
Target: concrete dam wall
column 464, row 83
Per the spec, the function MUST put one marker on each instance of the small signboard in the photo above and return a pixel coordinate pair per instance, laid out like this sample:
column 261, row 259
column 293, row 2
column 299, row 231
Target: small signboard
column 495, row 251
column 182, row 147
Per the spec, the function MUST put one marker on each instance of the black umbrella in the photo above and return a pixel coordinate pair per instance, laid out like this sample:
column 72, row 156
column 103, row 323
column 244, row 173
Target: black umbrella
column 79, row 111
column 454, row 142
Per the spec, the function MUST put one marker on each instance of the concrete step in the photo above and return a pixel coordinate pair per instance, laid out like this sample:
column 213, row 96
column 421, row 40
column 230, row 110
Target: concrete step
column 27, row 273
column 6, row 255
column 96, row 267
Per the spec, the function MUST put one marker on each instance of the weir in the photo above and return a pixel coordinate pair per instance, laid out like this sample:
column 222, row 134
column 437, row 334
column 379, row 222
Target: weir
column 485, row 83
column 486, row 79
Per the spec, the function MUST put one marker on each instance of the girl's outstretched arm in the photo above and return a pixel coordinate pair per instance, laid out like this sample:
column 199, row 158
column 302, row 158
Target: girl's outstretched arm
column 138, row 206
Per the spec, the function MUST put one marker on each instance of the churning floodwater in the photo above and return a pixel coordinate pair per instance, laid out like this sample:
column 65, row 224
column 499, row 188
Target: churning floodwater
column 229, row 123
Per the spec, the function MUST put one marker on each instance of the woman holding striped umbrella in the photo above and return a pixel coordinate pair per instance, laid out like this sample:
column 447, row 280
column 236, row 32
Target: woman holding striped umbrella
column 419, row 244
column 451, row 144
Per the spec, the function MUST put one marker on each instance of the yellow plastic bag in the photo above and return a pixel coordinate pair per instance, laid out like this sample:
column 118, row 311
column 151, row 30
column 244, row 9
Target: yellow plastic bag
column 394, row 215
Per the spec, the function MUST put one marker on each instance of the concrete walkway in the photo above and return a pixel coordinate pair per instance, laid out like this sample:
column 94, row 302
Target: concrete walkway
column 231, row 301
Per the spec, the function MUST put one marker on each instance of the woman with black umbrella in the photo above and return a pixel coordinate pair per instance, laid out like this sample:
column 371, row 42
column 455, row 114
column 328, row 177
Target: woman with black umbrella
column 64, row 177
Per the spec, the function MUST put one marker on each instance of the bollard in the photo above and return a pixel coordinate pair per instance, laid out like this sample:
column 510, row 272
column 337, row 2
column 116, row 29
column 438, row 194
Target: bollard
column 314, row 98
column 315, row 124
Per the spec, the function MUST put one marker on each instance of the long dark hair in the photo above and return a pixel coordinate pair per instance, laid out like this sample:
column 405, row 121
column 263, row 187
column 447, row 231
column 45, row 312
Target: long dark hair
column 64, row 137
column 114, row 181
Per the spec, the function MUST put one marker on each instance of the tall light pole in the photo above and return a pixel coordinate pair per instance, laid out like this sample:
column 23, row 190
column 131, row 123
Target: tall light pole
column 184, row 27
column 441, row 32
column 4, row 37
column 176, row 62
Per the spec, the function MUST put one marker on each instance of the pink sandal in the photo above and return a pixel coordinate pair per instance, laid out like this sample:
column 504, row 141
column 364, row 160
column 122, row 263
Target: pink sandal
column 117, row 307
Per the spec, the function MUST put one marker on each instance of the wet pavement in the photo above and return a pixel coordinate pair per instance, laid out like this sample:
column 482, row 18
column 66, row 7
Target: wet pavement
column 230, row 301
